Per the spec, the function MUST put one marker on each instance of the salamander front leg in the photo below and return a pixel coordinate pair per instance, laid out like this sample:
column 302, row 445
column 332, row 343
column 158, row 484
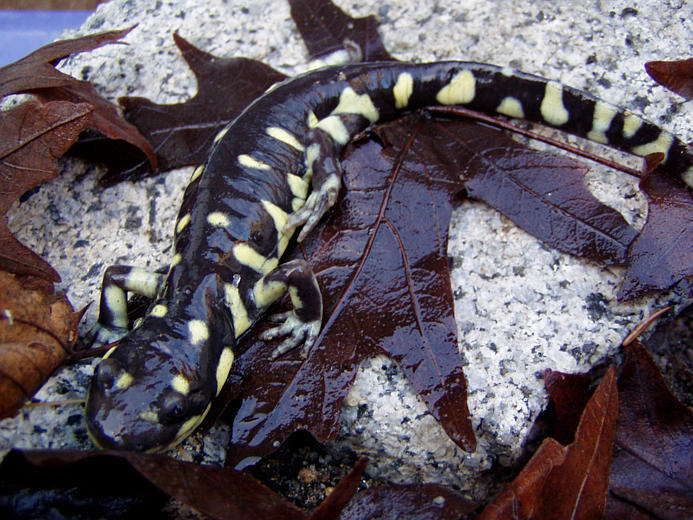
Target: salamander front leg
column 113, row 313
column 300, row 325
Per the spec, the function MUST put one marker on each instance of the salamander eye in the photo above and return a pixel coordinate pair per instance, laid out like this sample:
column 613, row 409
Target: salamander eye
column 173, row 409
column 107, row 373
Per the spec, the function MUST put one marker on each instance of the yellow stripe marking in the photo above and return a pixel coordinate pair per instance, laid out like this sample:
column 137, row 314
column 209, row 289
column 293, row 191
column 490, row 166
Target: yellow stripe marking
column 352, row 103
column 335, row 128
column 601, row 121
column 180, row 384
column 299, row 187
column 159, row 311
column 660, row 145
column 183, row 222
column 312, row 119
column 176, row 259
column 196, row 174
column 279, row 216
column 115, row 301
column 198, row 331
column 142, row 282
column 220, row 135
column 631, row 124
column 232, row 297
column 224, row 367
column 108, row 353
column 459, row 91
column 266, row 293
column 403, row 90
column 251, row 258
column 512, row 107
column 552, row 109
column 218, row 219
column 250, row 162
column 285, row 137
column 124, row 381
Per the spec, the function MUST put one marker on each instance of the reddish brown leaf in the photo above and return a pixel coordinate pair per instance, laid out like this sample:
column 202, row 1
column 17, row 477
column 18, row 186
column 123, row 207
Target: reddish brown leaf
column 653, row 455
column 662, row 255
column 325, row 30
column 182, row 134
column 545, row 195
column 35, row 74
column 569, row 394
column 413, row 502
column 216, row 492
column 674, row 75
column 32, row 139
column 566, row 482
column 37, row 330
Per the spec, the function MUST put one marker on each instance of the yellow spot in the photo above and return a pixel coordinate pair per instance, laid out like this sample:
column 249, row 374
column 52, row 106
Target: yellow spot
column 352, row 103
column 159, row 311
column 196, row 174
column 182, row 222
column 295, row 298
column 251, row 258
column 108, row 353
column 180, row 384
column 224, row 367
column 335, row 129
column 312, row 153
column 312, row 119
column 218, row 219
column 279, row 217
column 601, row 121
column 266, row 293
column 459, row 91
column 232, row 298
column 285, row 137
column 176, row 259
column 299, row 187
column 250, row 162
column 660, row 145
column 198, row 331
column 142, row 282
column 115, row 301
column 403, row 89
column 512, row 107
column 552, row 109
column 124, row 381
column 220, row 135
column 149, row 416
column 631, row 124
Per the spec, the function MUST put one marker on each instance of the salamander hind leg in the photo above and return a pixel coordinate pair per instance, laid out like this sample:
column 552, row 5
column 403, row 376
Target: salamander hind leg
column 118, row 280
column 301, row 325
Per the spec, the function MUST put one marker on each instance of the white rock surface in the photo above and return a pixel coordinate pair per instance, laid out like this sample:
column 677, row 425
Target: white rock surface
column 521, row 307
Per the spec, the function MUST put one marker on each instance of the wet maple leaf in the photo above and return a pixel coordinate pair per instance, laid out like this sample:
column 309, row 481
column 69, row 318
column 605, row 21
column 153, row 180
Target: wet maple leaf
column 37, row 330
column 566, row 481
column 32, row 139
column 674, row 75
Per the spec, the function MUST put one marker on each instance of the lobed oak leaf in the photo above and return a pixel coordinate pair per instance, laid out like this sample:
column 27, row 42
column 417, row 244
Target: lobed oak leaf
column 32, row 139
column 661, row 257
column 37, row 331
column 183, row 133
column 326, row 30
column 36, row 74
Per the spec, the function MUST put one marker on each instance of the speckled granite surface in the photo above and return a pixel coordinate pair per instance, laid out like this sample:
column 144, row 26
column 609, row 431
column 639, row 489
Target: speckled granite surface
column 521, row 307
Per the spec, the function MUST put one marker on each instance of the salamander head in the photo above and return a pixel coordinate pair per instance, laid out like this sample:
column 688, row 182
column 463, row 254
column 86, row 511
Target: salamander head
column 154, row 389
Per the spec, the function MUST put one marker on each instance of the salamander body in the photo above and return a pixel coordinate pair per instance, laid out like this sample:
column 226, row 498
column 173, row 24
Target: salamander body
column 276, row 168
